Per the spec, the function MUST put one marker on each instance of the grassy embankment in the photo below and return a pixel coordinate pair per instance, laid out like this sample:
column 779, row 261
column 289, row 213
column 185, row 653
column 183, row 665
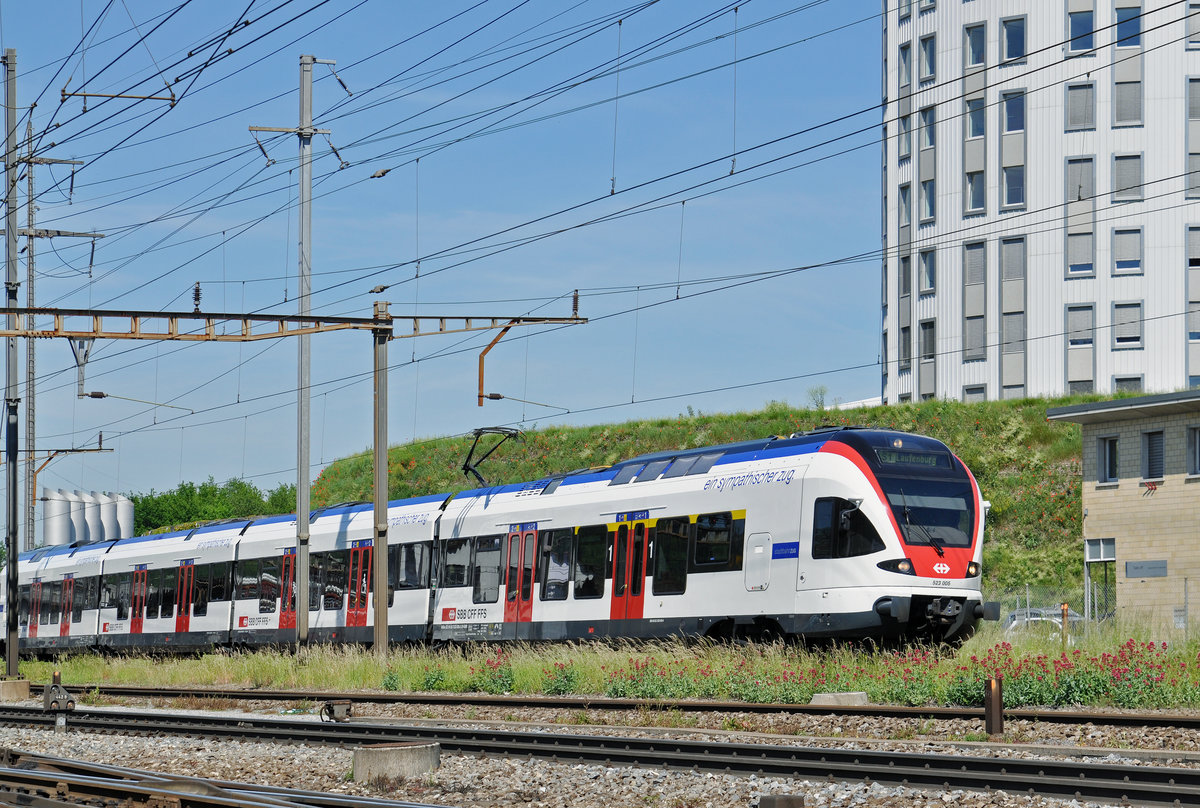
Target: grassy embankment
column 1027, row 467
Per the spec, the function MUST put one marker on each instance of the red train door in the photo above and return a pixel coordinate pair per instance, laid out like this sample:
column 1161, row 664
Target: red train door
column 183, row 595
column 137, row 609
column 522, row 549
column 287, row 590
column 68, row 603
column 35, row 607
column 629, row 565
column 359, row 585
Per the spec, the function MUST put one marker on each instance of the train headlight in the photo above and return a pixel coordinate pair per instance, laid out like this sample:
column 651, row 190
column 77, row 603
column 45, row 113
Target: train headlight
column 900, row 565
column 973, row 569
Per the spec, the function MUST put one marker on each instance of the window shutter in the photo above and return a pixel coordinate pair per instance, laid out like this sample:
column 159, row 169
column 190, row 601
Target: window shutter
column 1080, row 180
column 976, row 271
column 1154, row 455
column 928, row 341
column 1127, row 177
column 1193, row 243
column 1081, row 107
column 1193, row 177
column 1193, row 318
column 1194, row 99
column 1012, row 259
column 1127, row 246
column 974, row 336
column 1079, row 249
column 1079, row 324
column 1127, row 99
column 1013, row 326
column 1127, row 323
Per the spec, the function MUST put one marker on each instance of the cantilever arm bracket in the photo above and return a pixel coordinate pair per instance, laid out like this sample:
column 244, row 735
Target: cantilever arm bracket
column 484, row 353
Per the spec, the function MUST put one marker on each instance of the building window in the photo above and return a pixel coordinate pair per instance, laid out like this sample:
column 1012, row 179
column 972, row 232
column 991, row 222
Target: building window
column 975, row 261
column 1127, row 325
column 1081, row 31
column 1129, row 27
column 1080, row 325
column 976, row 45
column 1106, row 461
column 928, row 128
column 1127, row 103
column 1127, row 177
column 905, row 347
column 1080, row 388
column 1193, row 25
column 974, row 394
column 928, row 270
column 975, row 191
column 905, row 205
column 974, row 338
column 1152, row 453
column 905, row 136
column 1127, row 251
column 1127, row 384
column 1014, row 186
column 905, row 8
column 928, row 341
column 1081, row 106
column 1193, row 319
column 883, row 354
column 1081, row 179
column 1013, row 38
column 905, row 275
column 1013, row 332
column 1193, row 450
column 928, row 200
column 976, row 117
column 928, row 57
column 1014, row 111
column 905, row 64
column 1079, row 254
column 1193, row 177
column 1012, row 259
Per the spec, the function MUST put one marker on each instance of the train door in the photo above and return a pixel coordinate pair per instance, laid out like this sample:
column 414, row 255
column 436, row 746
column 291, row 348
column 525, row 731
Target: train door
column 287, row 590
column 35, row 607
column 359, row 584
column 628, row 564
column 138, row 602
column 68, row 603
column 518, row 597
column 183, row 595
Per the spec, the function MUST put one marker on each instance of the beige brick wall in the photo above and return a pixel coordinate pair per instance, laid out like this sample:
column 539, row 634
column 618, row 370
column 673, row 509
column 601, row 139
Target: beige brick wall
column 1149, row 524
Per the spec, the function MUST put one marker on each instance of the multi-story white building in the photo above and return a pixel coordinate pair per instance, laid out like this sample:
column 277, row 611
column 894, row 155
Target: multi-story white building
column 1041, row 182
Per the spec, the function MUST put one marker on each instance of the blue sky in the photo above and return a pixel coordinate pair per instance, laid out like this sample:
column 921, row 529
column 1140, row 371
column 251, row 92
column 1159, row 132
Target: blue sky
column 512, row 109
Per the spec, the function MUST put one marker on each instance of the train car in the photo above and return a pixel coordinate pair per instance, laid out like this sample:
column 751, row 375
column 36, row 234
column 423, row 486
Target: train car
column 846, row 532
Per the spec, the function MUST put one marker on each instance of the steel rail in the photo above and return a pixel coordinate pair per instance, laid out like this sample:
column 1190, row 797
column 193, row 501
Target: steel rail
column 1151, row 720
column 1141, row 785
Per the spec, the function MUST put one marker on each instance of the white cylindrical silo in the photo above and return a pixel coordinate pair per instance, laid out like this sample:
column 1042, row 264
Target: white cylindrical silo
column 75, row 512
column 93, row 530
column 56, row 518
column 108, row 514
column 124, row 517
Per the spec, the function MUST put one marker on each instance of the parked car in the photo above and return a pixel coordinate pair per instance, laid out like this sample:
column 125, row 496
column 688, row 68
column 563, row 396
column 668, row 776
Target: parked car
column 1048, row 620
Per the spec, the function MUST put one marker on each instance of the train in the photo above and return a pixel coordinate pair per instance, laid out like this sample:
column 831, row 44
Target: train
column 840, row 533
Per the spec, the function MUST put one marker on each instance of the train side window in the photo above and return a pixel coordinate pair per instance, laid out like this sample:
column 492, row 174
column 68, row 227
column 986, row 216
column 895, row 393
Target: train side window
column 714, row 539
column 456, row 560
column 153, row 591
column 337, row 577
column 412, row 565
column 46, row 604
column 246, row 587
column 108, row 593
column 23, row 605
column 124, row 593
column 841, row 530
column 555, row 562
column 200, row 589
column 78, row 597
column 591, row 551
column 57, row 613
column 219, row 581
column 268, row 587
column 671, row 556
column 486, row 569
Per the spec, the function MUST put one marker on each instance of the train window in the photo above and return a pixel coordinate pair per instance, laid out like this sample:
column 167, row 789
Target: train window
column 555, row 572
column 153, row 592
column 714, row 539
column 316, row 580
column 637, row 574
column 268, row 587
column 246, row 587
column 591, row 550
column 671, row 556
column 527, row 563
column 47, row 603
column 486, row 569
column 57, row 604
column 200, row 589
column 166, row 597
column 124, row 592
column 408, row 566
column 336, row 578
column 620, row 555
column 842, row 530
column 626, row 473
column 705, row 462
column 108, row 592
column 680, row 467
column 219, row 581
column 23, row 606
column 456, row 560
column 652, row 471
column 79, row 592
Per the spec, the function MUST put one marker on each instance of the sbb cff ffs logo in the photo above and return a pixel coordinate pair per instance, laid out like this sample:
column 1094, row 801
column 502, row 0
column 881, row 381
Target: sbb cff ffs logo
column 449, row 614
column 941, row 568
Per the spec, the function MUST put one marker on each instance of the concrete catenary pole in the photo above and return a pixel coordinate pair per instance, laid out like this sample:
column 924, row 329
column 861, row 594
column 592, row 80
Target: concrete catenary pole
column 380, row 545
column 10, row 354
column 304, row 214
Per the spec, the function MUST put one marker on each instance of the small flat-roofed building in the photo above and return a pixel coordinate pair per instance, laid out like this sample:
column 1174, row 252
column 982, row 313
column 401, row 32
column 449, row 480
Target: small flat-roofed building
column 1141, row 503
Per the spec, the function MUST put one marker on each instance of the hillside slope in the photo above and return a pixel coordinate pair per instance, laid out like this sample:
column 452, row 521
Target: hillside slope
column 1029, row 468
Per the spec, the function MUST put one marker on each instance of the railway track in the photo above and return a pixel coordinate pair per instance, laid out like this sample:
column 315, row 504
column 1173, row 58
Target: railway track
column 1140, row 785
column 50, row 782
column 1151, row 720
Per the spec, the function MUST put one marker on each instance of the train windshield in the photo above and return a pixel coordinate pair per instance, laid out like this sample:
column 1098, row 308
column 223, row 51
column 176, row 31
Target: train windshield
column 939, row 513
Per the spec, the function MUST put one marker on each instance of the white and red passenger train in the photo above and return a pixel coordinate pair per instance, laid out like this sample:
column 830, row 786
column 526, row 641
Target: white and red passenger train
column 835, row 533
